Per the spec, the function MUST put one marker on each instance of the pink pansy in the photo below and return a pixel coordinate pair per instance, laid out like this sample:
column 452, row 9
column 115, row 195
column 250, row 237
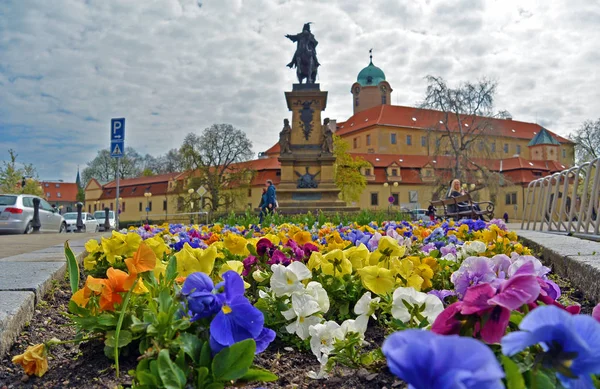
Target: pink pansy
column 596, row 312
column 496, row 305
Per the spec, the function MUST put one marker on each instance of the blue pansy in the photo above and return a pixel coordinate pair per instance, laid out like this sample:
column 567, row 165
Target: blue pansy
column 571, row 343
column 237, row 319
column 202, row 299
column 426, row 360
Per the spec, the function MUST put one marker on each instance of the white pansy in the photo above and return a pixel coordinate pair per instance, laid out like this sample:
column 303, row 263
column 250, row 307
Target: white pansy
column 303, row 306
column 287, row 279
column 358, row 325
column 474, row 247
column 433, row 305
column 519, row 260
column 322, row 339
column 259, row 275
column 367, row 305
column 316, row 290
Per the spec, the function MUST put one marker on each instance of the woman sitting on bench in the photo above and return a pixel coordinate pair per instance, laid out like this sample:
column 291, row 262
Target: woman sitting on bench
column 456, row 191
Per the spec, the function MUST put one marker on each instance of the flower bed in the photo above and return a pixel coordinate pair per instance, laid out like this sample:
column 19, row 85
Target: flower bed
column 457, row 302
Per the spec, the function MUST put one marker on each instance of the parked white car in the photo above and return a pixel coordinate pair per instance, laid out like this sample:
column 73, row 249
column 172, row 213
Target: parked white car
column 101, row 216
column 90, row 224
column 419, row 214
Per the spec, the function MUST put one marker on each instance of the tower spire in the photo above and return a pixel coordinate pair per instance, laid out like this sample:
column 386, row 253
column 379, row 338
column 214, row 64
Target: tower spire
column 371, row 55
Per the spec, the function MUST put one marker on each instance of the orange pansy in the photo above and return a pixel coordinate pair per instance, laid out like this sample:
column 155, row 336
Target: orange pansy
column 143, row 260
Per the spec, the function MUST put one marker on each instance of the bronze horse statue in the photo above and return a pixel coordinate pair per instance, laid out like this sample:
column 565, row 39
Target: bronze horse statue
column 305, row 57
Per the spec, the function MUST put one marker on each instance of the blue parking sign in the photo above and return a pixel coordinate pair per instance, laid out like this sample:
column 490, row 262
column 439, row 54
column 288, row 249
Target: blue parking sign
column 117, row 137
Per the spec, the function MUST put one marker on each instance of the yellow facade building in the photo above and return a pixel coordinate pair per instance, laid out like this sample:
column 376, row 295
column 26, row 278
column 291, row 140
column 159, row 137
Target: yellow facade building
column 404, row 147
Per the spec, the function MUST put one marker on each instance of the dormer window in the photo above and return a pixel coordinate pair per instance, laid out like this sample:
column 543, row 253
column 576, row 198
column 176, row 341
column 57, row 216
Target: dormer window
column 369, row 79
column 394, row 172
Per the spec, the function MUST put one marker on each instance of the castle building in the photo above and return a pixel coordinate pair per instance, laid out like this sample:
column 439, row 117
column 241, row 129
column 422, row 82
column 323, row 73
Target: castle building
column 408, row 156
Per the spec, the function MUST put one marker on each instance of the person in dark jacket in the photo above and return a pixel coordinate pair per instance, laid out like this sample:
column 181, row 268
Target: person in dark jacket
column 271, row 197
column 263, row 204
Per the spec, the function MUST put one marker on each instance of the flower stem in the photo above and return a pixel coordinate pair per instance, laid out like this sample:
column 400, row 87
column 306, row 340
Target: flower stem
column 120, row 323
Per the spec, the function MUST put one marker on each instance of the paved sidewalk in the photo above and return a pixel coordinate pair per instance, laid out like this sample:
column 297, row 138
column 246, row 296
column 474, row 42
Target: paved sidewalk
column 28, row 264
column 570, row 257
column 19, row 244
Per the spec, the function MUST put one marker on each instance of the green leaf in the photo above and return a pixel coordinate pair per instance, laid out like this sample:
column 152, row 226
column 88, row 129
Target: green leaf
column 514, row 379
column 171, row 272
column 191, row 345
column 72, row 268
column 259, row 375
column 252, row 249
column 124, row 338
column 516, row 317
column 145, row 378
column 205, row 356
column 434, row 253
column 234, row 361
column 215, row 385
column 202, row 376
column 106, row 320
column 171, row 375
column 543, row 381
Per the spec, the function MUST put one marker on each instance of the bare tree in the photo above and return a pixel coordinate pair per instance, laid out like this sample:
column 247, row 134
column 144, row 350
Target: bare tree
column 216, row 159
column 466, row 118
column 104, row 168
column 587, row 138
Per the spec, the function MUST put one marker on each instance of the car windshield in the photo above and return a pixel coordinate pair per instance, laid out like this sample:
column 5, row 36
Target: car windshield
column 8, row 200
column 101, row 215
column 70, row 216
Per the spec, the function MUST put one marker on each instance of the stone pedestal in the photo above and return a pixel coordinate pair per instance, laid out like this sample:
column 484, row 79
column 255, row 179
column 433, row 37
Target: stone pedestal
column 307, row 101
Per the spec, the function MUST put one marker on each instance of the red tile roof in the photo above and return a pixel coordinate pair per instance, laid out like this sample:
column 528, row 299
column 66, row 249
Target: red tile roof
column 146, row 180
column 59, row 191
column 156, row 189
column 411, row 117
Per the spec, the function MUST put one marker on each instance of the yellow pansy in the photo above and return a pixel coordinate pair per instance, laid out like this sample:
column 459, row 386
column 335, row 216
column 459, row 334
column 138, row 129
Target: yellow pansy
column 275, row 239
column 377, row 279
column 160, row 269
column 236, row 266
column 158, row 245
column 315, row 260
column 388, row 248
column 236, row 244
column 302, row 237
column 91, row 246
column 191, row 260
column 406, row 269
column 358, row 256
column 336, row 264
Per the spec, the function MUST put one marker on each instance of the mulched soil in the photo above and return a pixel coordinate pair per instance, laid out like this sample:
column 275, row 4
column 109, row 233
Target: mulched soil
column 86, row 366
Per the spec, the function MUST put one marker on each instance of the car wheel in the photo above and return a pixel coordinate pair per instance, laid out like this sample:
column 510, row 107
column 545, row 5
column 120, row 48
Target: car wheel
column 63, row 228
column 28, row 228
column 83, row 229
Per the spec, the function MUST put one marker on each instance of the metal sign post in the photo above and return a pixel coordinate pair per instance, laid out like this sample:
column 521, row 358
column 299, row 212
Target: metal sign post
column 117, row 150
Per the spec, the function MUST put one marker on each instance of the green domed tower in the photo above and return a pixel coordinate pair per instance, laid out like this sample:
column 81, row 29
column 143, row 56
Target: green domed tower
column 370, row 89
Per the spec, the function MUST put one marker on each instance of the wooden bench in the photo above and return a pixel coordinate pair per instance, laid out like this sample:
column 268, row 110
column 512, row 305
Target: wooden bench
column 464, row 207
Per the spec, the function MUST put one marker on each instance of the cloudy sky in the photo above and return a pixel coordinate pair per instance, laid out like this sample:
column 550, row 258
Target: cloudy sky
column 175, row 66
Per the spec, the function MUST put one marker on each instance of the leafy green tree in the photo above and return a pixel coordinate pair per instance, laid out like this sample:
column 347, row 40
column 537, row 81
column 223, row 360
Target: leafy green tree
column 347, row 175
column 12, row 177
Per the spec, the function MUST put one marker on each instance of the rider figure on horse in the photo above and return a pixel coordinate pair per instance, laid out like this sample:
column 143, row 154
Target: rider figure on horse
column 304, row 38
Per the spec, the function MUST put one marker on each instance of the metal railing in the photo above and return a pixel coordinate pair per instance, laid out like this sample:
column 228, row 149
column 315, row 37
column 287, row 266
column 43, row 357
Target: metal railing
column 566, row 201
column 184, row 217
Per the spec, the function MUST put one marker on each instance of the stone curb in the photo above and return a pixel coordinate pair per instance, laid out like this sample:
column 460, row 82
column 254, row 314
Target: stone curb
column 24, row 281
column 576, row 259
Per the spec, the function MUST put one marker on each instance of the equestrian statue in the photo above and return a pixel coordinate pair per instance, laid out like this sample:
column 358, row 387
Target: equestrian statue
column 305, row 57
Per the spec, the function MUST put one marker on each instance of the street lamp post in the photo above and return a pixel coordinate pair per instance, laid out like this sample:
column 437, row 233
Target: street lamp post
column 191, row 192
column 147, row 195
